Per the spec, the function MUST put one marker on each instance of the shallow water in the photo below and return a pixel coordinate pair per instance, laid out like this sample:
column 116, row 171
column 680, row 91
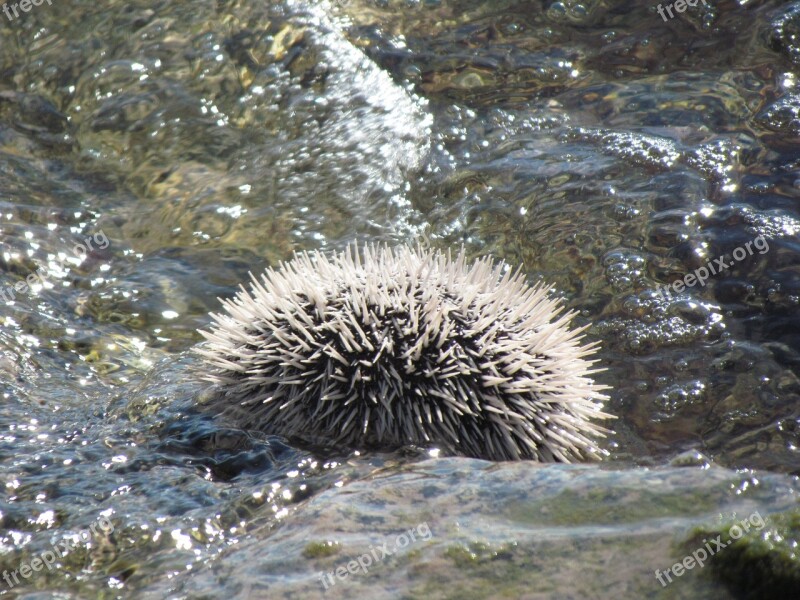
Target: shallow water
column 152, row 155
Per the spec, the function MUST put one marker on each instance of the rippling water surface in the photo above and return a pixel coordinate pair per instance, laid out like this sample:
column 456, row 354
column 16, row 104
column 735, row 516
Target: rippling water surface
column 153, row 153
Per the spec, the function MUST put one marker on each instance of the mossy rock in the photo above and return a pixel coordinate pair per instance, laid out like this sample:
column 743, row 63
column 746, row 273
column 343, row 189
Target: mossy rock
column 762, row 563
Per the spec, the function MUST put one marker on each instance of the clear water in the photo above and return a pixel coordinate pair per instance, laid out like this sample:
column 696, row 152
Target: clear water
column 606, row 150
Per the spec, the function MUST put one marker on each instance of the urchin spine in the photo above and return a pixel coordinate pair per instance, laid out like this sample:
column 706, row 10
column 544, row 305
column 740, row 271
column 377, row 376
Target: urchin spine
column 382, row 347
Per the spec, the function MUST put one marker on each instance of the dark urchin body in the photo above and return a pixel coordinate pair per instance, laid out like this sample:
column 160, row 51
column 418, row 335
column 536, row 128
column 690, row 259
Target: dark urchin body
column 383, row 348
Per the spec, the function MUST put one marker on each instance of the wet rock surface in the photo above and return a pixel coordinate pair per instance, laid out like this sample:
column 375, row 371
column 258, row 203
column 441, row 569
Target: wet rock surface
column 610, row 152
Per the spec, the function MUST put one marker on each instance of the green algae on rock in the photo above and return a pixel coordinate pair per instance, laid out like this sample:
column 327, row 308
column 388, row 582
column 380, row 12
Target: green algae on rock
column 757, row 562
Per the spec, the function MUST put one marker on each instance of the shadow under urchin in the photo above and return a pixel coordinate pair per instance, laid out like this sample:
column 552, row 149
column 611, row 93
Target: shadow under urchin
column 381, row 348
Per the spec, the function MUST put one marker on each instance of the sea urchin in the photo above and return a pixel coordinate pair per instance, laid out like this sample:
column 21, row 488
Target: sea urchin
column 381, row 348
